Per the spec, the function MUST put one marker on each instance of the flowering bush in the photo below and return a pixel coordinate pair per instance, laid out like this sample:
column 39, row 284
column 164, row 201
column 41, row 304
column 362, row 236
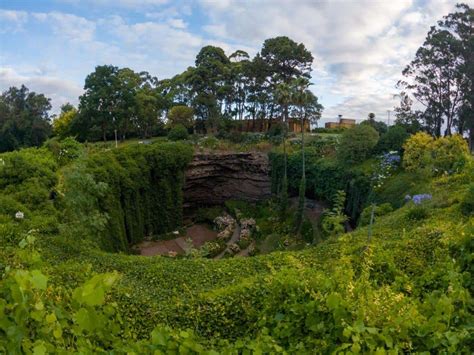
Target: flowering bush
column 389, row 162
column 445, row 155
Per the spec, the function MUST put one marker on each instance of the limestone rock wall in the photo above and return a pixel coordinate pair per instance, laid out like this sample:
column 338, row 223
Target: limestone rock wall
column 214, row 177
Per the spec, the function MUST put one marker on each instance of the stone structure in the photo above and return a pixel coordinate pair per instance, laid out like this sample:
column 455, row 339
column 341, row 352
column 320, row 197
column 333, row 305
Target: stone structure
column 343, row 123
column 215, row 177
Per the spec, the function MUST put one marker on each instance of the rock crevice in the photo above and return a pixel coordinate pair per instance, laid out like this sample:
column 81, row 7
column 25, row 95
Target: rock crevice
column 215, row 177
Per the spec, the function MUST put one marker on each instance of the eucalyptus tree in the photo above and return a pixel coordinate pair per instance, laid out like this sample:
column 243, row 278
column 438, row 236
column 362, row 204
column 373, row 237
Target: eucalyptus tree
column 440, row 76
column 405, row 116
column 207, row 81
column 461, row 25
column 24, row 118
column 238, row 80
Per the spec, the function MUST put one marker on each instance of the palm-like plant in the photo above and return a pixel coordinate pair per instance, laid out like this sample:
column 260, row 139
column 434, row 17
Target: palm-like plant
column 283, row 97
column 307, row 108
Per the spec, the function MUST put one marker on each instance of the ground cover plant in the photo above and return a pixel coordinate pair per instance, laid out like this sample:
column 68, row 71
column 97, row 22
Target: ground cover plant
column 365, row 245
column 408, row 289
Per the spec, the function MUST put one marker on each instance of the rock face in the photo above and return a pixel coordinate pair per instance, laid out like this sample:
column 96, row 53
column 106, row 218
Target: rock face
column 213, row 178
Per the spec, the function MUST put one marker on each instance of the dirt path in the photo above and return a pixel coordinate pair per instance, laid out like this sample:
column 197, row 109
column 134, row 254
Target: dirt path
column 198, row 233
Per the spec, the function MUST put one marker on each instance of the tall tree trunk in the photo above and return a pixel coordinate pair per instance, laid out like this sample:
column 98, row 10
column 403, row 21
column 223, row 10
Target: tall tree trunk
column 302, row 189
column 284, row 187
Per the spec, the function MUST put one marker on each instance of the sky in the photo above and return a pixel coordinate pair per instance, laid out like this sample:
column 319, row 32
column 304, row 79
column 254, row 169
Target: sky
column 360, row 47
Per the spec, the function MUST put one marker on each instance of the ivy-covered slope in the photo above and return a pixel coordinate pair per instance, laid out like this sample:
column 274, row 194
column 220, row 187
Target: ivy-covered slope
column 408, row 289
column 120, row 196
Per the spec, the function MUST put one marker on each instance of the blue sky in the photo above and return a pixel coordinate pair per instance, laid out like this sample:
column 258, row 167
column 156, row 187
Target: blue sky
column 360, row 47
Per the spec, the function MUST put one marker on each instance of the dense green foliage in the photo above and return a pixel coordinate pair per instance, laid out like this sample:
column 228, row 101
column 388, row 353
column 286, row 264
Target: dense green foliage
column 401, row 282
column 142, row 182
column 435, row 156
column 24, row 119
column 178, row 132
column 181, row 115
column 441, row 75
column 357, row 143
column 325, row 176
column 392, row 140
column 409, row 290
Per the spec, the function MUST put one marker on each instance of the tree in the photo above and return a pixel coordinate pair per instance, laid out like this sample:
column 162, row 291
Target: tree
column 99, row 104
column 405, row 117
column 62, row 123
column 148, row 111
column 307, row 108
column 120, row 100
column 207, row 81
column 286, row 60
column 440, row 76
column 461, row 25
column 125, row 115
column 181, row 115
column 379, row 126
column 392, row 140
column 284, row 98
column 356, row 144
column 24, row 118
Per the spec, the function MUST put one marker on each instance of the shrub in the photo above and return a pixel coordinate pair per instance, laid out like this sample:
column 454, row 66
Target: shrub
column 380, row 210
column 467, row 203
column 333, row 220
column 450, row 154
column 417, row 155
column 276, row 133
column 65, row 150
column 210, row 142
column 178, row 132
column 208, row 215
column 445, row 155
column 307, row 231
column 392, row 140
column 212, row 248
column 417, row 213
column 181, row 115
column 356, row 144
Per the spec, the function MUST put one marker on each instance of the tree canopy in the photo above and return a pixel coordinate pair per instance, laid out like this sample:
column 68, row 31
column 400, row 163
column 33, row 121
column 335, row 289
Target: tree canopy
column 24, row 118
column 440, row 76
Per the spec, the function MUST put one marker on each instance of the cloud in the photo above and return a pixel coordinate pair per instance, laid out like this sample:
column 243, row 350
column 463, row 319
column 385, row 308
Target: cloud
column 56, row 88
column 70, row 26
column 12, row 21
column 360, row 47
column 170, row 38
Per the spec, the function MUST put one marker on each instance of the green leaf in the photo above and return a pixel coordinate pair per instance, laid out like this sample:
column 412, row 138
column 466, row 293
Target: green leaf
column 39, row 349
column 38, row 280
column 50, row 318
column 159, row 337
column 333, row 300
column 84, row 320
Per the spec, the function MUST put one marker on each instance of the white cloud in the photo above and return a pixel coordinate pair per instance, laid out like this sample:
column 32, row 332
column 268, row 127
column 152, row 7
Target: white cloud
column 72, row 27
column 177, row 23
column 360, row 47
column 57, row 88
column 168, row 38
column 12, row 21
